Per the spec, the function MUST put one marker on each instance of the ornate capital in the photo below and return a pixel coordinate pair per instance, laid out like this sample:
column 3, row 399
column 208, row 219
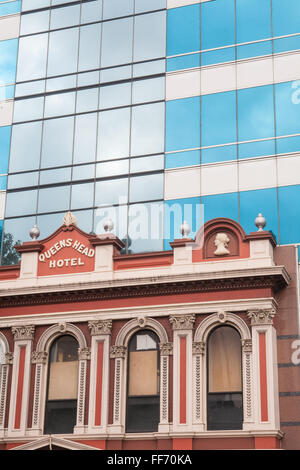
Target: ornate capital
column 39, row 357
column 247, row 345
column 118, row 352
column 9, row 358
column 166, row 349
column 182, row 322
column 261, row 316
column 198, row 348
column 84, row 354
column 100, row 327
column 25, row 332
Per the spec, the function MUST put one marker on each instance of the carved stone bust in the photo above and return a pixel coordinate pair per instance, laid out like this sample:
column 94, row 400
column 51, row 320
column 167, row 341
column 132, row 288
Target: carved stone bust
column 221, row 242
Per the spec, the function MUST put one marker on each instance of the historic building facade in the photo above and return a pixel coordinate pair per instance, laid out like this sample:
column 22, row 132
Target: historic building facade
column 181, row 349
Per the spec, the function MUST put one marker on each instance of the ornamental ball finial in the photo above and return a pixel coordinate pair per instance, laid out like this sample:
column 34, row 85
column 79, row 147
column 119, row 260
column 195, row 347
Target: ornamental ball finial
column 184, row 229
column 108, row 225
column 260, row 222
column 34, row 232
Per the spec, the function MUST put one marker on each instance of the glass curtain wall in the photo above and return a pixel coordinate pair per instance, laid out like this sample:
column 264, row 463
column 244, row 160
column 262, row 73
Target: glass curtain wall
column 88, row 124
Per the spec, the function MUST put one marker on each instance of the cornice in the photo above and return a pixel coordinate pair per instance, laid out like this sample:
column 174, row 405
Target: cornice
column 275, row 277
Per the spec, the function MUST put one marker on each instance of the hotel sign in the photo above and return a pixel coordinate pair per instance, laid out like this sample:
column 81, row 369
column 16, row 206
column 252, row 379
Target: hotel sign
column 68, row 250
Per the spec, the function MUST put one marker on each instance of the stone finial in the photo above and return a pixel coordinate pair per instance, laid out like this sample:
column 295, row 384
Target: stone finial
column 34, row 232
column 108, row 225
column 69, row 219
column 260, row 222
column 184, row 229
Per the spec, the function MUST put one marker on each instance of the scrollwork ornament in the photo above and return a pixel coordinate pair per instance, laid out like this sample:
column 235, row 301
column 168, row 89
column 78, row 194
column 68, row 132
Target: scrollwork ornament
column 182, row 322
column 84, row 354
column 25, row 332
column 9, row 358
column 118, row 352
column 261, row 316
column 247, row 345
column 39, row 357
column 198, row 348
column 166, row 349
column 100, row 327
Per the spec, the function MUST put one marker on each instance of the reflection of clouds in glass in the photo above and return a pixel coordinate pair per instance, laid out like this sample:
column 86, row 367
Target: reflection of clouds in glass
column 25, row 137
column 8, row 60
column 32, row 57
column 296, row 94
column 255, row 113
column 147, row 129
column 113, row 136
column 63, row 51
column 287, row 109
column 57, row 142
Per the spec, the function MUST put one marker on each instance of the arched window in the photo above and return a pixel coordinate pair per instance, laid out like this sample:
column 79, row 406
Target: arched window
column 61, row 404
column 224, row 397
column 142, row 411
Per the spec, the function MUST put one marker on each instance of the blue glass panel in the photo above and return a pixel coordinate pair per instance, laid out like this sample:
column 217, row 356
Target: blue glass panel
column 220, row 205
column 287, row 99
column 286, row 17
column 8, row 60
column 254, row 50
column 183, row 124
column 183, row 30
column 3, row 183
column 218, row 56
column 176, row 160
column 183, row 62
column 286, row 44
column 257, row 149
column 219, row 154
column 218, row 118
column 259, row 201
column 288, row 144
column 253, row 20
column 175, row 212
column 5, row 133
column 255, row 113
column 10, row 8
column 217, row 24
column 289, row 214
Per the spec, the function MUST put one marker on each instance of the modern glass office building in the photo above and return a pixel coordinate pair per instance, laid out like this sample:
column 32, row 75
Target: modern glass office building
column 150, row 113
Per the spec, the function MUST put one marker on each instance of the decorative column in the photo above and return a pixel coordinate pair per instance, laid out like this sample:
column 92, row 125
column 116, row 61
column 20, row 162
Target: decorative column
column 84, row 354
column 265, row 376
column 182, row 373
column 166, row 350
column 39, row 358
column 118, row 353
column 20, row 387
column 198, row 385
column 247, row 365
column 99, row 375
column 4, row 373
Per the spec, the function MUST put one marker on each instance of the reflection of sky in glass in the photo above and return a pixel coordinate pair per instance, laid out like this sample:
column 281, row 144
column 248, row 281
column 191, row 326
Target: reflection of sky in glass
column 8, row 60
column 255, row 113
column 286, row 16
column 217, row 24
column 10, row 8
column 287, row 98
column 218, row 118
column 253, row 20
